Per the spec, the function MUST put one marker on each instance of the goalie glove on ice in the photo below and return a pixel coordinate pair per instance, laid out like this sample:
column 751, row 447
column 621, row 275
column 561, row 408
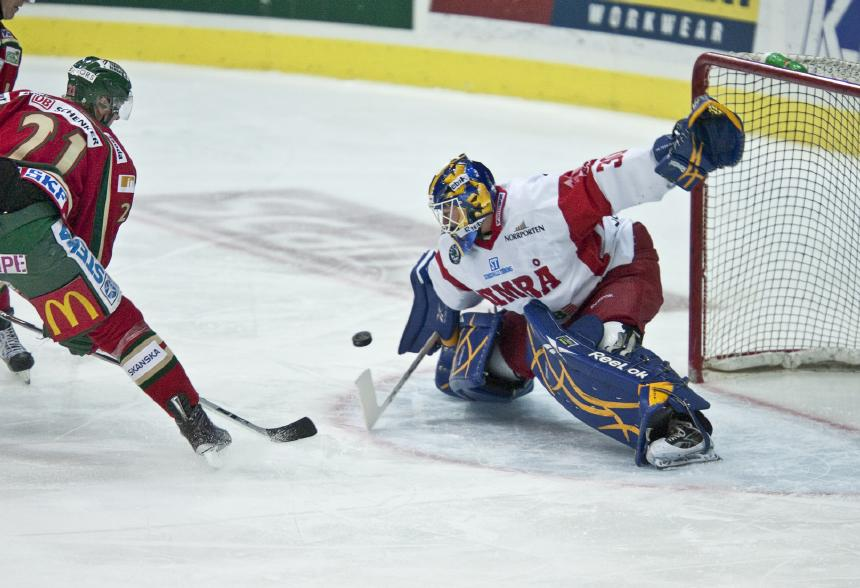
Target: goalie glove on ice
column 711, row 137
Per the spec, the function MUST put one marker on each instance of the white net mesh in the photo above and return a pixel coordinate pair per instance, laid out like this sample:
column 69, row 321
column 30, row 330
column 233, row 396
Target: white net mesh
column 782, row 228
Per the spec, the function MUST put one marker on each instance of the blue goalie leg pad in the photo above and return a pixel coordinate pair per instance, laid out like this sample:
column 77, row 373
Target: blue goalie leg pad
column 623, row 397
column 462, row 370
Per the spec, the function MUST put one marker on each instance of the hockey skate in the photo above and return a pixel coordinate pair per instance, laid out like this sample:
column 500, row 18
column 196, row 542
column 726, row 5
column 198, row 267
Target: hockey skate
column 683, row 444
column 205, row 438
column 17, row 359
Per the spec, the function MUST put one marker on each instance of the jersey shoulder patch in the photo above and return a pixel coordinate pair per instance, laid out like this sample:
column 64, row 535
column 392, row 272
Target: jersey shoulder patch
column 12, row 55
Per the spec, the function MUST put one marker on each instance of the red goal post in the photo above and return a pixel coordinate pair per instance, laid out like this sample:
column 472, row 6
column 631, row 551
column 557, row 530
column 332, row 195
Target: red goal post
column 775, row 240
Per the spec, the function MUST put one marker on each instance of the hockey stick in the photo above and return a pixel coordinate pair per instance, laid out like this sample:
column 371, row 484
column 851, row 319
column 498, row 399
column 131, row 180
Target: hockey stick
column 367, row 392
column 300, row 429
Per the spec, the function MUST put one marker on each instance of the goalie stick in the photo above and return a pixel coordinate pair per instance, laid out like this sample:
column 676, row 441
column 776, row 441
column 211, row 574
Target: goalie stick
column 367, row 392
column 300, row 429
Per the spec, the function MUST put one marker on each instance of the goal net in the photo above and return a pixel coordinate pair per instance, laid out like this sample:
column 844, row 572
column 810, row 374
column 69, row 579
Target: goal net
column 775, row 240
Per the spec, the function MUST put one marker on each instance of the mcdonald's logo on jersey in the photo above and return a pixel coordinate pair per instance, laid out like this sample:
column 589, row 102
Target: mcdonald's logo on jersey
column 69, row 311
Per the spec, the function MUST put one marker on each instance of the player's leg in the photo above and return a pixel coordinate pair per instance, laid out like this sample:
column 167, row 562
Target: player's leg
column 628, row 297
column 83, row 309
column 475, row 367
column 14, row 196
column 674, row 435
column 470, row 365
column 14, row 354
column 152, row 365
column 635, row 399
column 626, row 300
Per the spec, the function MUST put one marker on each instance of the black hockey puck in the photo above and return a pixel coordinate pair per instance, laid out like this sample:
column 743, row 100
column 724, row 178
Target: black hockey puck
column 362, row 339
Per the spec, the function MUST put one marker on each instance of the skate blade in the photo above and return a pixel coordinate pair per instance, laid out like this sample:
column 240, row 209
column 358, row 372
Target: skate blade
column 665, row 464
column 212, row 453
column 23, row 375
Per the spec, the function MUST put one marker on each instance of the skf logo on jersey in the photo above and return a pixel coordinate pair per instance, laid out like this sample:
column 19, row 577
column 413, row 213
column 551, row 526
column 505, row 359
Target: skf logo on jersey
column 523, row 230
column 13, row 56
column 69, row 311
column 496, row 269
column 521, row 287
column 105, row 287
column 13, row 263
column 454, row 254
column 50, row 183
column 125, row 184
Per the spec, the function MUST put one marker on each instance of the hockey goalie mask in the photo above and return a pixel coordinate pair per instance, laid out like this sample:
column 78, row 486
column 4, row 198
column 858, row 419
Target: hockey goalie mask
column 461, row 197
column 102, row 87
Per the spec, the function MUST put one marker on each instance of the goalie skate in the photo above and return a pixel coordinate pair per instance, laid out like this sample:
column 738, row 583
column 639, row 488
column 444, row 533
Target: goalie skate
column 684, row 444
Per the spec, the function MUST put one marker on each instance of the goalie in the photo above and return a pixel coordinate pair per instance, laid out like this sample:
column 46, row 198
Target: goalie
column 573, row 287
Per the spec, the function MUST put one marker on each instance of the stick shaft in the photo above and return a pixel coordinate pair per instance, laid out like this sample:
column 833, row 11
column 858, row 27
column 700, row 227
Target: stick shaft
column 107, row 358
column 367, row 391
column 418, row 358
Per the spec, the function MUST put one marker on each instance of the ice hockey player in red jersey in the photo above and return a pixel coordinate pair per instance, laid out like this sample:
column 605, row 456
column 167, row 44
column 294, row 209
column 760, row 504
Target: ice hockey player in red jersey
column 66, row 186
column 10, row 49
column 573, row 286
column 16, row 357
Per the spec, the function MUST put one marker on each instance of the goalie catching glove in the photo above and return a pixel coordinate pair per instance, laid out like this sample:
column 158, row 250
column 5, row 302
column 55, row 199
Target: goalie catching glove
column 711, row 137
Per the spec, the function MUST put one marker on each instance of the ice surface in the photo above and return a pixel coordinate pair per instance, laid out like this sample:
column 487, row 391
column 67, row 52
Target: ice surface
column 277, row 215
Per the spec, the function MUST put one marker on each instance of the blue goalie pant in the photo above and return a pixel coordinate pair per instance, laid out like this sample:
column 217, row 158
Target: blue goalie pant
column 463, row 369
column 630, row 398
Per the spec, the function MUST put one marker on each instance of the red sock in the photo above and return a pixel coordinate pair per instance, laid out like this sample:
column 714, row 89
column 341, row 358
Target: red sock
column 5, row 302
column 147, row 359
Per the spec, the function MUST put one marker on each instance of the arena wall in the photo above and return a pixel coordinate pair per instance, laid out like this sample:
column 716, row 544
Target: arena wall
column 628, row 55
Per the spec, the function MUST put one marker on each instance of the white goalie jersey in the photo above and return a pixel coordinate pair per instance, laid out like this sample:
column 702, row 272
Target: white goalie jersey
column 553, row 237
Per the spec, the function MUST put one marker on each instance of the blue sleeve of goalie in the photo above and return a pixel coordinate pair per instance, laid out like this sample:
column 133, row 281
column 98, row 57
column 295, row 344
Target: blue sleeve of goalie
column 429, row 314
column 711, row 137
